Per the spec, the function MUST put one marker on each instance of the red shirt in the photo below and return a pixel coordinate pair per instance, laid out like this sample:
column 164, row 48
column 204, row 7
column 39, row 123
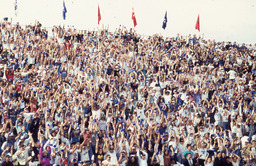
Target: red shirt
column 9, row 76
column 33, row 107
column 63, row 161
column 67, row 45
column 18, row 87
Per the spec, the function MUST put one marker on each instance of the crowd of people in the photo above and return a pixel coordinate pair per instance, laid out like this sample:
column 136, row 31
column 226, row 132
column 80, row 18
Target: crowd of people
column 94, row 98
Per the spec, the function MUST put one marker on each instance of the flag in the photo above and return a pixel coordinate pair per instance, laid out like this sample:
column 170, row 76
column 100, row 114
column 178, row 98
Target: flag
column 134, row 18
column 64, row 11
column 165, row 21
column 15, row 7
column 99, row 16
column 198, row 24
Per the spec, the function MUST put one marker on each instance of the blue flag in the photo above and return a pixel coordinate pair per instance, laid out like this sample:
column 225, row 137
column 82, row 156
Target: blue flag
column 15, row 7
column 64, row 10
column 165, row 21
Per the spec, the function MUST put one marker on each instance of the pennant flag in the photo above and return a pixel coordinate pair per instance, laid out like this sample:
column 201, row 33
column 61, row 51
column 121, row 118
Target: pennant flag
column 64, row 11
column 198, row 24
column 165, row 21
column 99, row 16
column 16, row 7
column 134, row 18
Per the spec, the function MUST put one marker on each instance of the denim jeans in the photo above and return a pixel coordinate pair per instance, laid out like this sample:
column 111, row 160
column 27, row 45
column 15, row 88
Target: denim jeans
column 225, row 126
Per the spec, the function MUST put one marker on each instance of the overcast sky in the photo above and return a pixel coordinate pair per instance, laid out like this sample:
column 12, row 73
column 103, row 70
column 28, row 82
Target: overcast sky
column 223, row 20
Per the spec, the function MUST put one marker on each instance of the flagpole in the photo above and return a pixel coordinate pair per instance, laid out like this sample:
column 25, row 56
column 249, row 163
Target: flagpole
column 15, row 10
column 99, row 19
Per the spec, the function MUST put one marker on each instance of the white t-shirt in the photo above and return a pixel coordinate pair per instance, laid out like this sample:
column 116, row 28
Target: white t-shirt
column 105, row 162
column 232, row 74
column 181, row 148
column 173, row 143
column 225, row 118
column 57, row 160
column 27, row 116
column 167, row 98
column 202, row 152
column 85, row 155
column 21, row 157
column 96, row 114
column 237, row 130
column 140, row 112
column 217, row 118
column 243, row 139
column 209, row 164
column 235, row 163
column 161, row 157
column 34, row 163
column 74, row 155
column 141, row 161
column 31, row 60
column 113, row 157
column 253, row 149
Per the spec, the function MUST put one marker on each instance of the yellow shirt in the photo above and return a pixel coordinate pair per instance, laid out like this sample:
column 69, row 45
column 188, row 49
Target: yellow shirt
column 246, row 149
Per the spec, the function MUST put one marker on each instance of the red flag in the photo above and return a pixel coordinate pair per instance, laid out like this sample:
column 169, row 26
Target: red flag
column 198, row 24
column 99, row 16
column 134, row 18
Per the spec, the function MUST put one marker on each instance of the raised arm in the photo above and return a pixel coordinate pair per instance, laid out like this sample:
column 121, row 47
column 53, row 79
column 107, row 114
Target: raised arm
column 31, row 138
column 105, row 146
column 97, row 145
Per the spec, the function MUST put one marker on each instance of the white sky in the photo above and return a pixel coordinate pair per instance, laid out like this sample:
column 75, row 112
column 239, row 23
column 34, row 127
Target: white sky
column 223, row 20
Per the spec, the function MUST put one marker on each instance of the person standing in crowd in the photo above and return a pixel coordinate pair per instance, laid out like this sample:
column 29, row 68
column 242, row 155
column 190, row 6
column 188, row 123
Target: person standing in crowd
column 98, row 98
